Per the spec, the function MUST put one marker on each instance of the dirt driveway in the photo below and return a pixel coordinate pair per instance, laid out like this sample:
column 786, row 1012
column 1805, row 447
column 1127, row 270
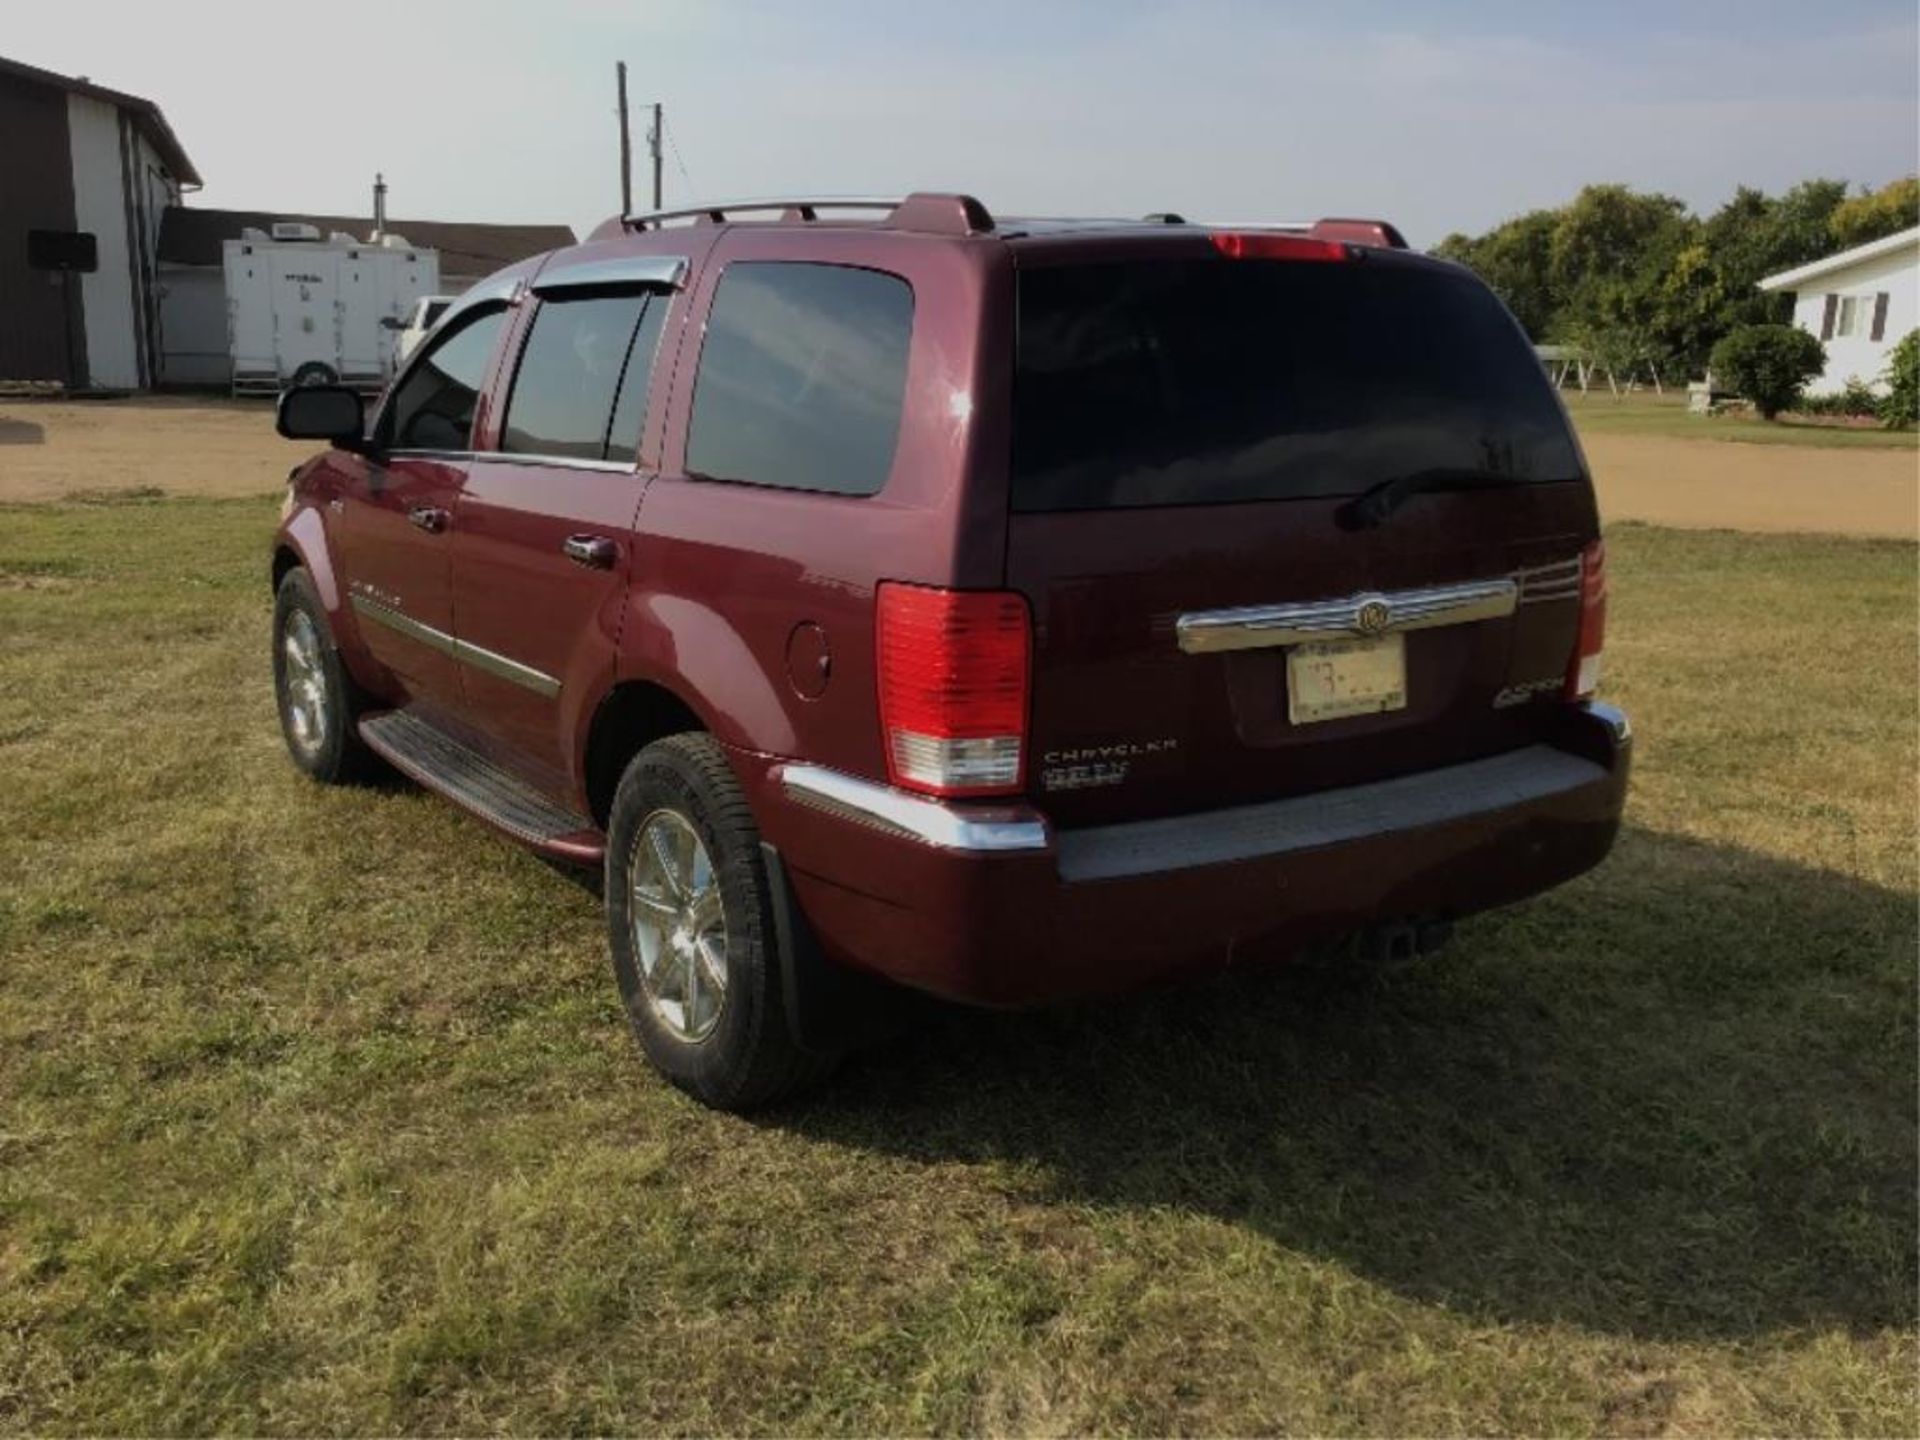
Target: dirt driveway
column 182, row 445
column 1724, row 485
column 223, row 447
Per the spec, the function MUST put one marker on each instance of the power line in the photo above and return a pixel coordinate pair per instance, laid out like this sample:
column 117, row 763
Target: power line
column 674, row 145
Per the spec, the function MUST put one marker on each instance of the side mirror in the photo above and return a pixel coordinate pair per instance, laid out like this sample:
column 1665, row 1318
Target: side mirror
column 323, row 412
column 392, row 322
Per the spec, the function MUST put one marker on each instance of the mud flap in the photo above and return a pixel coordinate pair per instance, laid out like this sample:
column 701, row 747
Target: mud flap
column 830, row 1008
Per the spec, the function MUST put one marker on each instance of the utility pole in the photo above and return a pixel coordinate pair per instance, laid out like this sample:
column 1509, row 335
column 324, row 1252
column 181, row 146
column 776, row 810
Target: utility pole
column 655, row 138
column 626, row 143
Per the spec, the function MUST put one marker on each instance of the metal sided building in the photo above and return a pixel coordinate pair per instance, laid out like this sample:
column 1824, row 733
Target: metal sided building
column 86, row 174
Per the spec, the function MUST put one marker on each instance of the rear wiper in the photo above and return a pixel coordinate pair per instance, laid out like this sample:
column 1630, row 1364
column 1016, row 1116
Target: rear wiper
column 1372, row 506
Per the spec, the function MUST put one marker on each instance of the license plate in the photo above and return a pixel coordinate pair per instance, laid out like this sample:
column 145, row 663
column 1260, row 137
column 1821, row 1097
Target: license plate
column 1329, row 679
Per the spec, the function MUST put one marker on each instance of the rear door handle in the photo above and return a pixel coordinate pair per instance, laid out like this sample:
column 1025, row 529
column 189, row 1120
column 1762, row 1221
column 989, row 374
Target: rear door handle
column 430, row 518
column 596, row 552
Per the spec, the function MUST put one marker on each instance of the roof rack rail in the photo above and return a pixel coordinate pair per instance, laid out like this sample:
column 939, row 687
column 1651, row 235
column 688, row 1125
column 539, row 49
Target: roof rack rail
column 925, row 211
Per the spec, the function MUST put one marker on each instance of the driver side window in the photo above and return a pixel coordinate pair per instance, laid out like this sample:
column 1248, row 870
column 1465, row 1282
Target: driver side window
column 433, row 407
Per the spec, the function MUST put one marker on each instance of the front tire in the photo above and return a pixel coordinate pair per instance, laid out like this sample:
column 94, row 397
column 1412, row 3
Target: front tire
column 691, row 930
column 318, row 704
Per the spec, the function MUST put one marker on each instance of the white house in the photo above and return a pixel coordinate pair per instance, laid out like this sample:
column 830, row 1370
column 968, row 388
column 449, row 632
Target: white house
column 1860, row 303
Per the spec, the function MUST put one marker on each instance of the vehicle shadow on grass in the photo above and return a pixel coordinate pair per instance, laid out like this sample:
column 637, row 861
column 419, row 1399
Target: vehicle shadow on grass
column 1676, row 1099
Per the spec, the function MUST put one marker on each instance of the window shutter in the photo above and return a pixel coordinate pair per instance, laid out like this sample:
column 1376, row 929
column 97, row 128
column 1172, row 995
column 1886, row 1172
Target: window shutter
column 1826, row 317
column 1879, row 316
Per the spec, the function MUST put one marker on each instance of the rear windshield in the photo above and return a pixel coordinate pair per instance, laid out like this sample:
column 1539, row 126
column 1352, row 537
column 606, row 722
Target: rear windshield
column 1194, row 382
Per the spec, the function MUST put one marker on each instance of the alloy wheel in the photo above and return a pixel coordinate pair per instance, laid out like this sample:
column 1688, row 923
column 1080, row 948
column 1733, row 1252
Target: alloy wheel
column 679, row 925
column 304, row 678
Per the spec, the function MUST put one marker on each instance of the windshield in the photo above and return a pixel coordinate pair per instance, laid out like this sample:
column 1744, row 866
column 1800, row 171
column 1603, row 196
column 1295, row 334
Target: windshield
column 1207, row 381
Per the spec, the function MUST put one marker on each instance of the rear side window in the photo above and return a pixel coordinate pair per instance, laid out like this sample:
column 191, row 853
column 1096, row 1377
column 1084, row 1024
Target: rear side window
column 801, row 377
column 570, row 369
column 1202, row 381
column 433, row 408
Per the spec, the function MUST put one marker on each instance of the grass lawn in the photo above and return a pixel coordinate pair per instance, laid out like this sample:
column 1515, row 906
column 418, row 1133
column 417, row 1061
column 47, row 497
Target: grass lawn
column 1639, row 413
column 318, row 1113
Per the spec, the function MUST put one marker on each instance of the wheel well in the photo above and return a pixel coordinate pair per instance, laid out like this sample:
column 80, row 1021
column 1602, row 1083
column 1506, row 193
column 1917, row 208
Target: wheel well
column 631, row 718
column 284, row 560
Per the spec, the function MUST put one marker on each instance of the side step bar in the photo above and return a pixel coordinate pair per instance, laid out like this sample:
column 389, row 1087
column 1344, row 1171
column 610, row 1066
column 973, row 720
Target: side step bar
column 428, row 755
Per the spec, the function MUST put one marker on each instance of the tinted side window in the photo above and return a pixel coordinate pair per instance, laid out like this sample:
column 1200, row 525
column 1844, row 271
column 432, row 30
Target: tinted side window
column 801, row 377
column 433, row 408
column 630, row 410
column 563, row 392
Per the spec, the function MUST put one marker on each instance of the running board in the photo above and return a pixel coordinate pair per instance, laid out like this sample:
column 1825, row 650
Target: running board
column 428, row 755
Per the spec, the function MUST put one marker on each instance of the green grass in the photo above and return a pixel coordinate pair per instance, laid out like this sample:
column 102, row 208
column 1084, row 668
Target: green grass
column 318, row 1113
column 1601, row 413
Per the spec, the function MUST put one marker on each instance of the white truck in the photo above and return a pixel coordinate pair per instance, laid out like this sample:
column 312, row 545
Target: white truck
column 303, row 309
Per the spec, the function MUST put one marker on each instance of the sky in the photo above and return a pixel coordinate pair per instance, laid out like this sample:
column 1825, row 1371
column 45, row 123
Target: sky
column 1438, row 116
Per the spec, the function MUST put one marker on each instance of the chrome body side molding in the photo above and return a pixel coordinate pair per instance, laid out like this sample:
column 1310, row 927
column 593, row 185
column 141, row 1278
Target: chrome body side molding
column 914, row 817
column 1256, row 627
column 525, row 676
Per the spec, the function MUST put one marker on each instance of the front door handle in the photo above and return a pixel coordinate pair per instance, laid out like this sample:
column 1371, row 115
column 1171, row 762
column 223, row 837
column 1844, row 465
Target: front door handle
column 429, row 518
column 596, row 552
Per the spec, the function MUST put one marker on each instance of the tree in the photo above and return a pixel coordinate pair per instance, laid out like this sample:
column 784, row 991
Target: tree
column 1874, row 214
column 1609, row 232
column 1609, row 252
column 1516, row 259
column 1753, row 236
column 1689, row 309
column 1769, row 364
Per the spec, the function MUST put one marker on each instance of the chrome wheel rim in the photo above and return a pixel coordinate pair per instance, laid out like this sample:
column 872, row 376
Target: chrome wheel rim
column 305, row 680
column 679, row 926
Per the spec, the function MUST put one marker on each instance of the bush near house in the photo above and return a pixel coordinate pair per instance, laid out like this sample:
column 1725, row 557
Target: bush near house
column 1769, row 364
column 1856, row 401
column 1901, row 405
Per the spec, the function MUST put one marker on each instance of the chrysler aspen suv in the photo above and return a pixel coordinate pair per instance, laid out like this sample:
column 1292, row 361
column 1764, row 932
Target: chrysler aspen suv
column 889, row 597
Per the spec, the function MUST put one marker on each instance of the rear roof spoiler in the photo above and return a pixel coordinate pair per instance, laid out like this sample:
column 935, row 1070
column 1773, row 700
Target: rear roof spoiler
column 1381, row 234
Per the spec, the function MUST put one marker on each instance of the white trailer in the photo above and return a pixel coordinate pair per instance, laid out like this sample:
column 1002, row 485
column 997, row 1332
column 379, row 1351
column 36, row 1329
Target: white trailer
column 303, row 309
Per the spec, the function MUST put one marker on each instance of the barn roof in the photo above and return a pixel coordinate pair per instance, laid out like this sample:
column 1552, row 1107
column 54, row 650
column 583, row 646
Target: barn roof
column 146, row 114
column 193, row 237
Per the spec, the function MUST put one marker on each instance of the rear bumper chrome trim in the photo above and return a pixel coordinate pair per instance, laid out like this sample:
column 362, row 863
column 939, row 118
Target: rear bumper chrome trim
column 1278, row 828
column 1370, row 613
column 985, row 828
column 525, row 676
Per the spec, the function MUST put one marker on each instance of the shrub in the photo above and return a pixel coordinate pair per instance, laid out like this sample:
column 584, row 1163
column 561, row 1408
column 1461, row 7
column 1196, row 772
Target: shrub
column 1901, row 405
column 1768, row 364
column 1857, row 399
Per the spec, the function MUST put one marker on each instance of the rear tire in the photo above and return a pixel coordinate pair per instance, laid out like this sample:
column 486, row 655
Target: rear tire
column 691, row 930
column 318, row 703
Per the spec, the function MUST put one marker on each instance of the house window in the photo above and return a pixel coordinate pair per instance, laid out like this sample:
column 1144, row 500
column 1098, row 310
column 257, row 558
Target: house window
column 1849, row 316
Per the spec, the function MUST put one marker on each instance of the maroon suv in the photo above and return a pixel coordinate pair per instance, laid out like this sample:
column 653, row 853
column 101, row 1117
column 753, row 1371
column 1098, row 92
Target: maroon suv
column 1008, row 610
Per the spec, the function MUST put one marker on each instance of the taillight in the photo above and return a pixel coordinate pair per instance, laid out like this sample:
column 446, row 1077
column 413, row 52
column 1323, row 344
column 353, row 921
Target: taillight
column 1259, row 245
column 1583, row 670
column 953, row 668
